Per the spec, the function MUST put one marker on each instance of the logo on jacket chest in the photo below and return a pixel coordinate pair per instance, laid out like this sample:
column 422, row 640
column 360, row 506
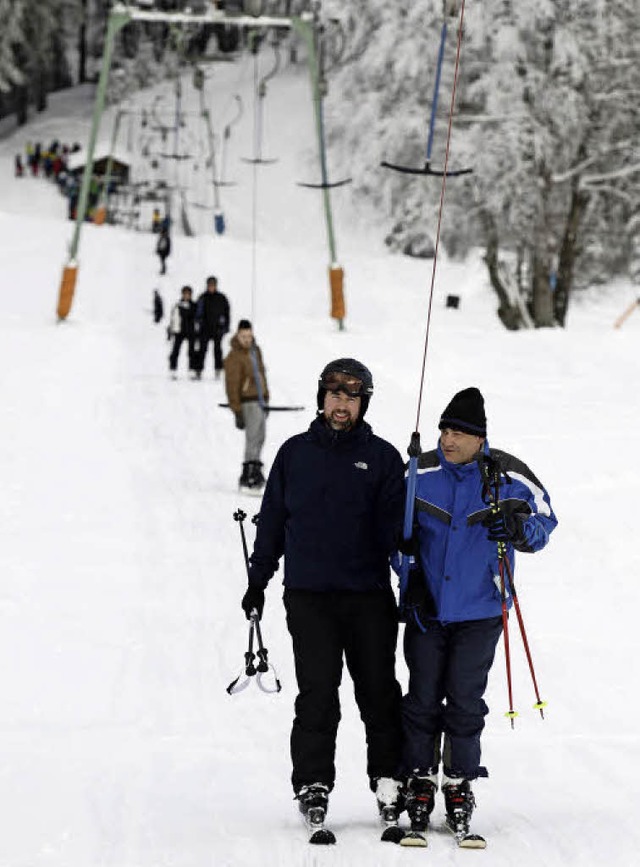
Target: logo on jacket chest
column 361, row 465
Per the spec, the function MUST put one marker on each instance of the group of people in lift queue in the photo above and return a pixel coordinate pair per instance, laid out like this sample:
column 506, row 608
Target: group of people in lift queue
column 203, row 323
column 334, row 509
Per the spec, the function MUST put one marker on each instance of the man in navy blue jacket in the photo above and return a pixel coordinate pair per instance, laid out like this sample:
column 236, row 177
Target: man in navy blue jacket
column 333, row 506
column 453, row 601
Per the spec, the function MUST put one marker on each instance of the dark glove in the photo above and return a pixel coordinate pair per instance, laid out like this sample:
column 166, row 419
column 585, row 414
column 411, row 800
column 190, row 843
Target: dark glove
column 240, row 421
column 409, row 547
column 505, row 527
column 253, row 600
column 418, row 601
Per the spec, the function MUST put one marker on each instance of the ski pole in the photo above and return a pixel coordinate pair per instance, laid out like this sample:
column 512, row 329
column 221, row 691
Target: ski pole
column 539, row 705
column 240, row 516
column 511, row 713
column 250, row 669
column 263, row 663
column 495, row 510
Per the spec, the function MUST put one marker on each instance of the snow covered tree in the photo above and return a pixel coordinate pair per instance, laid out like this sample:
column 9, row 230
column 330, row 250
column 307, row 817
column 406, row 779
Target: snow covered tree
column 547, row 114
column 10, row 37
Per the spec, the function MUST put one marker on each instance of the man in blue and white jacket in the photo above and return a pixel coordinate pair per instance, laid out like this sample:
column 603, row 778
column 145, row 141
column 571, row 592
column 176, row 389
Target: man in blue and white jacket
column 453, row 602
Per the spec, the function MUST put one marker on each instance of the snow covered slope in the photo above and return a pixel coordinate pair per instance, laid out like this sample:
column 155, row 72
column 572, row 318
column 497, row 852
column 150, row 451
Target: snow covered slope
column 122, row 571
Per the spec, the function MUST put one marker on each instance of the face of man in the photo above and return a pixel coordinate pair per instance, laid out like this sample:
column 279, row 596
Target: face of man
column 245, row 337
column 341, row 410
column 459, row 447
column 211, row 286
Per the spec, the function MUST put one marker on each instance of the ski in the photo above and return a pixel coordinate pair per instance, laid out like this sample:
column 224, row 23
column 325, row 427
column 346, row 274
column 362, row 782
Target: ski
column 392, row 832
column 415, row 838
column 314, row 822
column 464, row 838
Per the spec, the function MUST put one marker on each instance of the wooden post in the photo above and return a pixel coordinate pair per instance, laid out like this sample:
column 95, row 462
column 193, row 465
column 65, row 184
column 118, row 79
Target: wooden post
column 627, row 313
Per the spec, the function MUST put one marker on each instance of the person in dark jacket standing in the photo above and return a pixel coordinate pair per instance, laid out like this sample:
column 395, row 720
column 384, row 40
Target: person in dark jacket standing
column 333, row 506
column 163, row 249
column 212, row 323
column 158, row 307
column 181, row 328
column 248, row 395
column 453, row 601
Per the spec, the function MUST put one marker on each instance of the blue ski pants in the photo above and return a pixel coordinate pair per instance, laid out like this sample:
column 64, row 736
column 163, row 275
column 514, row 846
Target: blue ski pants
column 448, row 670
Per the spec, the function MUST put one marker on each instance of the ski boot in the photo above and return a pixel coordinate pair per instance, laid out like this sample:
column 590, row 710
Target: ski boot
column 459, row 803
column 252, row 481
column 244, row 482
column 421, row 792
column 390, row 798
column 257, row 479
column 313, row 801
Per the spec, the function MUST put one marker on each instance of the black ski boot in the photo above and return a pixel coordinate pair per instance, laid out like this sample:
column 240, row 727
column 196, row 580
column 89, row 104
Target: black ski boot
column 421, row 798
column 252, row 480
column 245, row 479
column 459, row 803
column 257, row 479
column 313, row 801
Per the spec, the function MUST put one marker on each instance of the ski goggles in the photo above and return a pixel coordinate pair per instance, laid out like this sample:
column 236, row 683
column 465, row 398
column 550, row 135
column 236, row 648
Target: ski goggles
column 350, row 385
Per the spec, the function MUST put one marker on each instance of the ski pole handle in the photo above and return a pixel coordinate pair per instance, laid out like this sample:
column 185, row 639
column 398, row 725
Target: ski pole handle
column 240, row 516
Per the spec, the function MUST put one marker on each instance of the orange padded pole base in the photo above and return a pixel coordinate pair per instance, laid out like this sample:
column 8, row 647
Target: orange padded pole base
column 336, row 281
column 99, row 215
column 67, row 288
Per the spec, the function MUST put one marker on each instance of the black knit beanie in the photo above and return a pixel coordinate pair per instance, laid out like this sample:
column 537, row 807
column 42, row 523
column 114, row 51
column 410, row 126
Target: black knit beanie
column 465, row 413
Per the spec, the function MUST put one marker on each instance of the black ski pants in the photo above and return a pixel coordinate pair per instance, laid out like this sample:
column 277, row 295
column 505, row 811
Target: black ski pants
column 203, row 343
column 362, row 628
column 178, row 340
column 448, row 670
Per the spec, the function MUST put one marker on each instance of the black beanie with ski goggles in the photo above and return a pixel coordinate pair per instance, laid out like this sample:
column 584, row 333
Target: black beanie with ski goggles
column 465, row 412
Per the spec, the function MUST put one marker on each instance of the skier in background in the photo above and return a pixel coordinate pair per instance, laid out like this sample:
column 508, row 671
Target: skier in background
column 248, row 396
column 212, row 323
column 158, row 306
column 453, row 606
column 334, row 506
column 181, row 328
column 163, row 249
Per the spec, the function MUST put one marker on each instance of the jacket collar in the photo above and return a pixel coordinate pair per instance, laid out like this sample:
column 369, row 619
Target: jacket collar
column 321, row 431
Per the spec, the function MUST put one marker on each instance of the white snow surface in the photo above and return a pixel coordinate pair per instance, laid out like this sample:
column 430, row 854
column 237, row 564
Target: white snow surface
column 122, row 569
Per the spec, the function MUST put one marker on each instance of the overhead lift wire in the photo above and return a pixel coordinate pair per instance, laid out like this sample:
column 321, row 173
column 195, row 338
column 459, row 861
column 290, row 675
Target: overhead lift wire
column 415, row 449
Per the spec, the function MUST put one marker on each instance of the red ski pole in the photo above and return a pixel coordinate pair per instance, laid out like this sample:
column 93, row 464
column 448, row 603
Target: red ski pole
column 511, row 713
column 539, row 705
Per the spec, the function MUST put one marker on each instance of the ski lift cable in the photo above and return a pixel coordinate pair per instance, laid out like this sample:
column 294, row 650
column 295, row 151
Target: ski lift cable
column 445, row 174
column 414, row 446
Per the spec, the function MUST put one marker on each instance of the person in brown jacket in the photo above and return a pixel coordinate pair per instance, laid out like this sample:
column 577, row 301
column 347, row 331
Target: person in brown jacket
column 248, row 396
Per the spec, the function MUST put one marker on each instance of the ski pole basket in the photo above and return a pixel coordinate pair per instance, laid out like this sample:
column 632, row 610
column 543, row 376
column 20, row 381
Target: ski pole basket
column 265, row 674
